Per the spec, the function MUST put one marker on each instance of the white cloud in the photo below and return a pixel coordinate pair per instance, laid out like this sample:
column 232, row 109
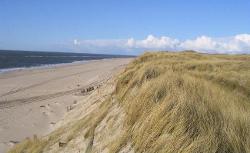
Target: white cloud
column 200, row 43
column 76, row 42
column 152, row 42
column 236, row 44
column 245, row 38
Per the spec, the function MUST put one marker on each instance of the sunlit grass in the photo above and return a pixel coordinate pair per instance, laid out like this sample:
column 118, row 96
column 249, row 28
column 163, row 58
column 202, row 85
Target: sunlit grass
column 187, row 102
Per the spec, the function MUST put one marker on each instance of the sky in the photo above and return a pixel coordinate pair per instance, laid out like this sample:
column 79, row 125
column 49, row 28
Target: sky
column 125, row 27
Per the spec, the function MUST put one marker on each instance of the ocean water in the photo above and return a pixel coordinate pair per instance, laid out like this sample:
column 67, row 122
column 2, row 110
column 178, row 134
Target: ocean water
column 11, row 60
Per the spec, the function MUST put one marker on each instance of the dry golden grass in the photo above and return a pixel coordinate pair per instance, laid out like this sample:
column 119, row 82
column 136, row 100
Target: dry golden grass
column 186, row 102
column 174, row 102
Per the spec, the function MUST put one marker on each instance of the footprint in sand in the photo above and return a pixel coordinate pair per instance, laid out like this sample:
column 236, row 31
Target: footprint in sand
column 45, row 113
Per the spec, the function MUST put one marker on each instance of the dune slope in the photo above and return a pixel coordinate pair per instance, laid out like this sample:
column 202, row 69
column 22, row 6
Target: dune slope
column 161, row 102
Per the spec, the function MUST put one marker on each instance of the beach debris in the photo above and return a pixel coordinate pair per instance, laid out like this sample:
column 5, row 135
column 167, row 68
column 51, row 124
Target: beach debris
column 69, row 108
column 62, row 144
column 52, row 123
column 74, row 102
column 90, row 89
column 83, row 91
column 42, row 106
column 13, row 142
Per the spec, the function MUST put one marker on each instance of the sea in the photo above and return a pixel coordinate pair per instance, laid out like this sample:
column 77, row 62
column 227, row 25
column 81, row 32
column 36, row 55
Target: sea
column 14, row 60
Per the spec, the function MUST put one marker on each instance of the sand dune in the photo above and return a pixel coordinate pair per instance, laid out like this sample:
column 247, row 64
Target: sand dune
column 32, row 101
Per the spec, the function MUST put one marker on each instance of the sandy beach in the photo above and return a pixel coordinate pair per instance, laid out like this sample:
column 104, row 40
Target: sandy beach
column 32, row 101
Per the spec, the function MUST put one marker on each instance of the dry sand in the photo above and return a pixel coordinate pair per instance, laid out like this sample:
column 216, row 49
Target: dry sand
column 32, row 101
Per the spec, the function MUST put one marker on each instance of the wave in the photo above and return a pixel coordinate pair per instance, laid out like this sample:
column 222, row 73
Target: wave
column 42, row 66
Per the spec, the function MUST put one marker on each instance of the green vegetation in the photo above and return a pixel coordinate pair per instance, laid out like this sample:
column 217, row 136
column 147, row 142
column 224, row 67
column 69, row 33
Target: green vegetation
column 178, row 102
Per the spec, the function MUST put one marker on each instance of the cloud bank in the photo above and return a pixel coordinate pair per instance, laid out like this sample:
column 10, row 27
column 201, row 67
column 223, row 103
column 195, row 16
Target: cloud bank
column 233, row 45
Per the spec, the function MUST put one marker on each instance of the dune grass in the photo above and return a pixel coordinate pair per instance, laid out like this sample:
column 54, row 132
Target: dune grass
column 175, row 102
column 186, row 102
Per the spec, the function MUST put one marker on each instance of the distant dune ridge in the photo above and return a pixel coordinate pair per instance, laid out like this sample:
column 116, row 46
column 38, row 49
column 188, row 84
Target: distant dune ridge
column 161, row 102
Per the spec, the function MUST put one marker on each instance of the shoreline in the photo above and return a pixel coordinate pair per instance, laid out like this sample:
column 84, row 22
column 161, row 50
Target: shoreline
column 5, row 70
column 45, row 66
column 33, row 101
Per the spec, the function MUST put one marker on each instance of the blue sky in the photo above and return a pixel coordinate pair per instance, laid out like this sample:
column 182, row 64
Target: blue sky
column 126, row 27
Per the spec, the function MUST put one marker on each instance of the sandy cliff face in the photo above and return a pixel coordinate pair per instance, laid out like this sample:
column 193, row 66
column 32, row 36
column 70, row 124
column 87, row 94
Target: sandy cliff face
column 101, row 120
